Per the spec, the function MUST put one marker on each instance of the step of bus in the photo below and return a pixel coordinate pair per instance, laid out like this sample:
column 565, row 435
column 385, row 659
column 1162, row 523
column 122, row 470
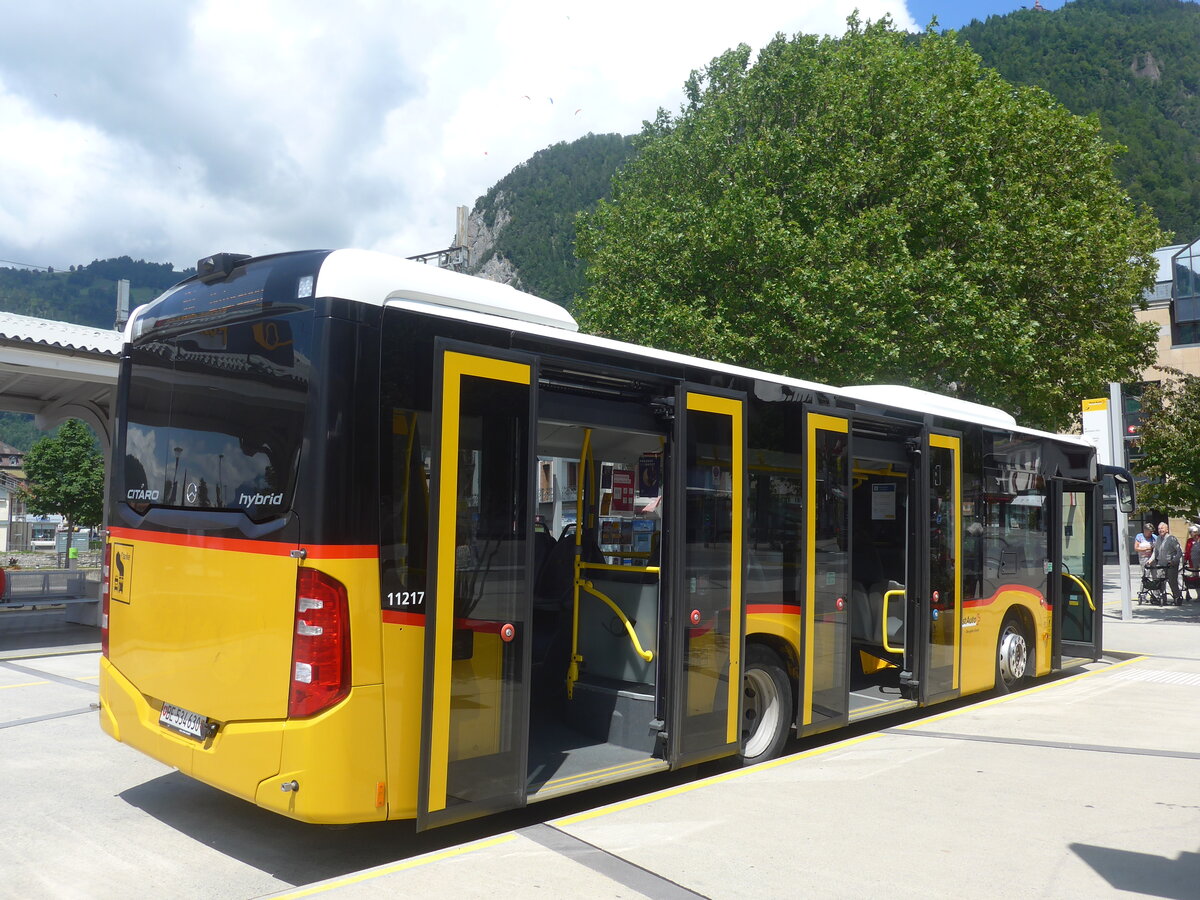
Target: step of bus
column 618, row 712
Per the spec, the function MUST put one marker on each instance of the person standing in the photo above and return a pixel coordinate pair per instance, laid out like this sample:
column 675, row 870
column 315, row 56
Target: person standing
column 1168, row 553
column 1191, row 562
column 1143, row 543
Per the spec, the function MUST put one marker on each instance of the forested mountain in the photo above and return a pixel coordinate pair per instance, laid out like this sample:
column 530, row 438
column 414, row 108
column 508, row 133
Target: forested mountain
column 1135, row 64
column 85, row 295
column 528, row 217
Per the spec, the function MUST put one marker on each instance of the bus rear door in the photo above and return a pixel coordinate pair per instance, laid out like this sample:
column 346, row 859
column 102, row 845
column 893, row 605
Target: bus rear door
column 477, row 649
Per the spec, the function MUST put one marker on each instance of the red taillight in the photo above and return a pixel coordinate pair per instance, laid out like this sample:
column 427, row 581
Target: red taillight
column 104, row 600
column 320, row 644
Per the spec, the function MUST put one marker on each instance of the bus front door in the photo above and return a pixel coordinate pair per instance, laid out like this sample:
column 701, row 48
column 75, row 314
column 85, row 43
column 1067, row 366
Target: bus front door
column 708, row 486
column 477, row 649
column 1078, row 604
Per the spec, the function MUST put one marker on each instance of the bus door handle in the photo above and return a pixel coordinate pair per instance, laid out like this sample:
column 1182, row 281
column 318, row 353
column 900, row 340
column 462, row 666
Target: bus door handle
column 887, row 596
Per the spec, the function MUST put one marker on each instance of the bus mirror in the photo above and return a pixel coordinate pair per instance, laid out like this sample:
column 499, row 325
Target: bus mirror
column 1124, row 496
column 1123, row 483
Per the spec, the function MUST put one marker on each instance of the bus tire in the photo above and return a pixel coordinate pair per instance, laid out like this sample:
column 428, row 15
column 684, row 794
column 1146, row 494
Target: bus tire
column 767, row 707
column 1012, row 656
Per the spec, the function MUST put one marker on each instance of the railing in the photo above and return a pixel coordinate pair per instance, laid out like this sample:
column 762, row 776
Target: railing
column 43, row 587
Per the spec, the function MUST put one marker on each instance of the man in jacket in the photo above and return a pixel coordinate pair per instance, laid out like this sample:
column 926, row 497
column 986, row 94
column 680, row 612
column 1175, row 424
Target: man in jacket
column 1168, row 553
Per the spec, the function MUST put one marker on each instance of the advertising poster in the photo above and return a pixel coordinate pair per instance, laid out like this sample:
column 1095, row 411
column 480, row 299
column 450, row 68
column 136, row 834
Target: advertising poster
column 649, row 474
column 622, row 490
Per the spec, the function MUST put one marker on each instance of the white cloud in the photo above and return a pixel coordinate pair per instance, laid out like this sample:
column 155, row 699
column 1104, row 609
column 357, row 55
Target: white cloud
column 168, row 131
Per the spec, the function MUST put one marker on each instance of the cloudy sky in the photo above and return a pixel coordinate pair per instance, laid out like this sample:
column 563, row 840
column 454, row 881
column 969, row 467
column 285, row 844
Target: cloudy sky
column 170, row 130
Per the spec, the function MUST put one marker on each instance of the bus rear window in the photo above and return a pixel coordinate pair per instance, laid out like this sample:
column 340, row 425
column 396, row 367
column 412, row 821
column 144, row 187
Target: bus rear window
column 215, row 418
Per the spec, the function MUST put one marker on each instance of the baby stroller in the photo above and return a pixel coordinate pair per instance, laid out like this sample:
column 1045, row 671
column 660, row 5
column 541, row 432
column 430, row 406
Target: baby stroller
column 1154, row 586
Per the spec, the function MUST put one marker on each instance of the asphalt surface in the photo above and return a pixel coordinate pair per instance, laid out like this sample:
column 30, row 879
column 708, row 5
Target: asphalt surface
column 1087, row 785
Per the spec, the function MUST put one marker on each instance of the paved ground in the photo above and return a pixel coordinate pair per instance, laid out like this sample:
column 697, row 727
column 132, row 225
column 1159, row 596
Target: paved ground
column 1087, row 785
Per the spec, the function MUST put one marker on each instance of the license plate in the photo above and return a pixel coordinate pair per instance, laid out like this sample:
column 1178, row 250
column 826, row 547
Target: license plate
column 183, row 722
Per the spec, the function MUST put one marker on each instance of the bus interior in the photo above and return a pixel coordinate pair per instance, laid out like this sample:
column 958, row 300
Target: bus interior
column 880, row 560
column 597, row 613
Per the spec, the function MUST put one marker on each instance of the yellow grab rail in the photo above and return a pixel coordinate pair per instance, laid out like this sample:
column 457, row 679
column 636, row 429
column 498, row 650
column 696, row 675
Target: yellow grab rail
column 1083, row 587
column 647, row 655
column 586, row 486
column 886, row 646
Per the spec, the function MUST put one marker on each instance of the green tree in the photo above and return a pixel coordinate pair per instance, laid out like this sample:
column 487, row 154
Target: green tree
column 66, row 476
column 877, row 208
column 1170, row 440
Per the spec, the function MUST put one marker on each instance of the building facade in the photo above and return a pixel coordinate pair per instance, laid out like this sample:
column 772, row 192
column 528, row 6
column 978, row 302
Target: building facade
column 1173, row 304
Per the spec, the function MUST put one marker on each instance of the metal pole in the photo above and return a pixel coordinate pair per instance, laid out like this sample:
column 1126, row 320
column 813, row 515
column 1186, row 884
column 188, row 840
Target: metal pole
column 1116, row 407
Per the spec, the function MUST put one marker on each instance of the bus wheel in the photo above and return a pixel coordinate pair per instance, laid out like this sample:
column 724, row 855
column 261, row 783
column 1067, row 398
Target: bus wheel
column 766, row 705
column 1012, row 656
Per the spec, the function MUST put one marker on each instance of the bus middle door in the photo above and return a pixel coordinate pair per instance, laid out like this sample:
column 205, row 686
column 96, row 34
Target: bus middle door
column 708, row 484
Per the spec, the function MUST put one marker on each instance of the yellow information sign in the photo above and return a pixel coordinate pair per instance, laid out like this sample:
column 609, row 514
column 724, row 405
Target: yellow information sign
column 121, row 572
column 1098, row 405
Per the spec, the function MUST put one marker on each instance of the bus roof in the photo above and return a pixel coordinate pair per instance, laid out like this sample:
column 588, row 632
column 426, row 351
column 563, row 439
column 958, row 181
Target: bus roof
column 376, row 278
column 928, row 402
column 380, row 279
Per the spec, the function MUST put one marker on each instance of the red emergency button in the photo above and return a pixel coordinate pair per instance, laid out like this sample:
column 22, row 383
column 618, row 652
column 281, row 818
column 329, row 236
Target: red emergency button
column 695, row 617
column 841, row 603
column 507, row 632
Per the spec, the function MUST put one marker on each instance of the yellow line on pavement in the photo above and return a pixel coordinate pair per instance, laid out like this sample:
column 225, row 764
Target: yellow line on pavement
column 399, row 867
column 569, row 820
column 635, row 802
column 925, row 720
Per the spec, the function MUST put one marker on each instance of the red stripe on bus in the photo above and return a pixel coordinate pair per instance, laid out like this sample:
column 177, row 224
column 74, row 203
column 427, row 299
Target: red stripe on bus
column 1007, row 589
column 242, row 545
column 397, row 617
column 483, row 626
column 787, row 609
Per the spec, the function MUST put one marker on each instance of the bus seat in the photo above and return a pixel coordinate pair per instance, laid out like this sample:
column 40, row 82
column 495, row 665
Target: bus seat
column 543, row 546
column 860, row 614
column 554, row 592
column 553, row 583
column 868, row 624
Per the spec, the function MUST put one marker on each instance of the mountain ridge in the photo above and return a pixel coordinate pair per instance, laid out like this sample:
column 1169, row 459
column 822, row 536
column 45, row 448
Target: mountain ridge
column 1134, row 64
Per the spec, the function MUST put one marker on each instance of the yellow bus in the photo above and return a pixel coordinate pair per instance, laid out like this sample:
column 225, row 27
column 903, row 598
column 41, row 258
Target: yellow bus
column 390, row 542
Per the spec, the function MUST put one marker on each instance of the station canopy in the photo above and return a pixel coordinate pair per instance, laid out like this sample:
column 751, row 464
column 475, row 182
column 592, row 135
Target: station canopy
column 59, row 371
